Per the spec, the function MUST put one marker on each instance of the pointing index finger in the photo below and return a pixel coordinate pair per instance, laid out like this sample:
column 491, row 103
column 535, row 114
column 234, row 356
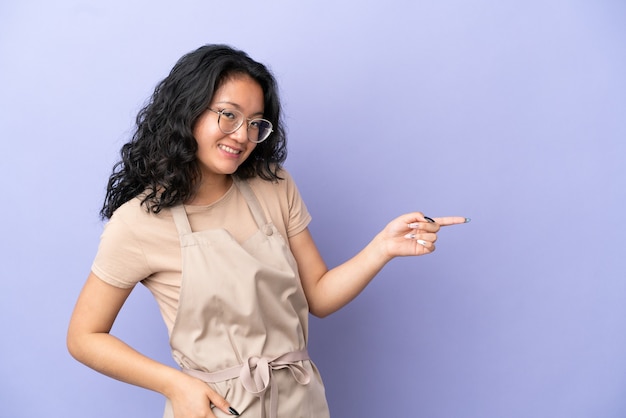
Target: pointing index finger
column 451, row 220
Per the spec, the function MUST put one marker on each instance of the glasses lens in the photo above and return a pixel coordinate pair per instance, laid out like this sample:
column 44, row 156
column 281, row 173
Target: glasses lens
column 230, row 120
column 259, row 130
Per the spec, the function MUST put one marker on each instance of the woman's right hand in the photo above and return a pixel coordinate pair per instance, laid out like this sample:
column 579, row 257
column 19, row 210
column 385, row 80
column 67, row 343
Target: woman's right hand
column 192, row 398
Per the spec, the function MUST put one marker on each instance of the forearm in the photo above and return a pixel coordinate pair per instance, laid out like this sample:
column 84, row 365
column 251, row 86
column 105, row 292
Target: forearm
column 327, row 291
column 340, row 285
column 110, row 356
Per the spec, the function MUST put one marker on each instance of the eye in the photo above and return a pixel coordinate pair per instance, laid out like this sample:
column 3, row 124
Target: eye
column 229, row 114
column 261, row 124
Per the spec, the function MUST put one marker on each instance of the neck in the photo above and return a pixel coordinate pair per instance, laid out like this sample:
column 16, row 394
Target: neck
column 211, row 190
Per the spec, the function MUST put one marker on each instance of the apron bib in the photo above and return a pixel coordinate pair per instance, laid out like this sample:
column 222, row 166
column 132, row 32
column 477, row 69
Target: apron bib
column 242, row 320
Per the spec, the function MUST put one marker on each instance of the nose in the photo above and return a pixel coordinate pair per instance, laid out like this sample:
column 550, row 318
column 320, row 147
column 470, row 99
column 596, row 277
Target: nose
column 241, row 134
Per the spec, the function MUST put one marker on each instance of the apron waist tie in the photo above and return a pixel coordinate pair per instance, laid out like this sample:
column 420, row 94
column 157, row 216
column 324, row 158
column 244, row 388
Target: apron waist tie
column 256, row 375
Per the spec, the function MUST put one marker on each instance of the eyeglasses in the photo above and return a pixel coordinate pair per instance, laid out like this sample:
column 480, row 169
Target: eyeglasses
column 229, row 120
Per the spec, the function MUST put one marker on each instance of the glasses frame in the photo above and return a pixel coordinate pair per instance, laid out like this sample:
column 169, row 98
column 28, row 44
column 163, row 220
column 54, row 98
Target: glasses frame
column 243, row 118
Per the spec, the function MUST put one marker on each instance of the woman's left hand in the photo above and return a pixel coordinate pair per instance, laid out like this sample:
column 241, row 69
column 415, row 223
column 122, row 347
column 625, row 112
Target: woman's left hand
column 415, row 234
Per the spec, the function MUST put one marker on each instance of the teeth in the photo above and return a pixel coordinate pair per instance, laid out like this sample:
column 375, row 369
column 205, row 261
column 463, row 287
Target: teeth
column 229, row 149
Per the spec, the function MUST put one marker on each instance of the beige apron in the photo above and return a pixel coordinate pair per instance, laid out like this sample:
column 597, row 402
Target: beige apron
column 242, row 320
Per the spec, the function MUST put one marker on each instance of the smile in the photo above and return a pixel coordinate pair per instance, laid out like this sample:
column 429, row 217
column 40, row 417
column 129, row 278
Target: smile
column 229, row 149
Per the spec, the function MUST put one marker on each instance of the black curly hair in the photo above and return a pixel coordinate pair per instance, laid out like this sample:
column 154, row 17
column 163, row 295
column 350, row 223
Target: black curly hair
column 159, row 161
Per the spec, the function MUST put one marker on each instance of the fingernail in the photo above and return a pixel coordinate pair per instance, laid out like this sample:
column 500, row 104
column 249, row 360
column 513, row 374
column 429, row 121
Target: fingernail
column 421, row 242
column 413, row 225
column 431, row 220
column 232, row 411
column 467, row 220
column 409, row 236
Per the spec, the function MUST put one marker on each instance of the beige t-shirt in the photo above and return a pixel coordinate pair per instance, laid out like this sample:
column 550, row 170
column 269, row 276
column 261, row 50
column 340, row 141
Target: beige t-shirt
column 139, row 246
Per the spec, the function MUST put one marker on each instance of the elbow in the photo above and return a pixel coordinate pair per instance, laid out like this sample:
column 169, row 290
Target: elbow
column 319, row 311
column 76, row 344
column 320, row 315
column 73, row 347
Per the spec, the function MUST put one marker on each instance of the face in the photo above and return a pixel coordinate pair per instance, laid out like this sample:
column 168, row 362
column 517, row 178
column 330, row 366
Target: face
column 221, row 154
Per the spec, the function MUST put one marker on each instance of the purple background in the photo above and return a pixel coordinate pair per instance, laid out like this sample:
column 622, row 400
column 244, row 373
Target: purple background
column 511, row 113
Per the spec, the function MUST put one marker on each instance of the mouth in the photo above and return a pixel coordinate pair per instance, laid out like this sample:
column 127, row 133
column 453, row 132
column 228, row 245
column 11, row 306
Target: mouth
column 229, row 150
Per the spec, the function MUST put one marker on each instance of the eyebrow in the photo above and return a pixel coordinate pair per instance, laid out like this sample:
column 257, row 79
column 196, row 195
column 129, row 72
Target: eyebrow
column 235, row 105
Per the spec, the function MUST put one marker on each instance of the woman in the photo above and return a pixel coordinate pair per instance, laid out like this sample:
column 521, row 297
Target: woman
column 202, row 213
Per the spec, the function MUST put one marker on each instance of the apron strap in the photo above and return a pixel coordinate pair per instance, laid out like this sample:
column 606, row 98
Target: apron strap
column 256, row 376
column 254, row 205
column 180, row 219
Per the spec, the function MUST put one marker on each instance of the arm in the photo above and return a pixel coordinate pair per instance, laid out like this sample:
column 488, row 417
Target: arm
column 329, row 290
column 89, row 341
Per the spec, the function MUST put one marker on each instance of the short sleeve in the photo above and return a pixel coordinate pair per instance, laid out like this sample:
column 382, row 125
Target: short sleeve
column 299, row 216
column 120, row 260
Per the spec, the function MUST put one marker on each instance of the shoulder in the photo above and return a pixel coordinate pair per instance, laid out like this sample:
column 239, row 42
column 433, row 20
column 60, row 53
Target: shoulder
column 135, row 210
column 133, row 218
column 284, row 186
column 134, row 244
column 129, row 211
column 282, row 200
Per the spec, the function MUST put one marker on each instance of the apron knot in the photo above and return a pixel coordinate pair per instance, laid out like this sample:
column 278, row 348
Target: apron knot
column 256, row 376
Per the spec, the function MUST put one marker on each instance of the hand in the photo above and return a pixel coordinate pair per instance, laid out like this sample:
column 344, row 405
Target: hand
column 193, row 398
column 414, row 234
